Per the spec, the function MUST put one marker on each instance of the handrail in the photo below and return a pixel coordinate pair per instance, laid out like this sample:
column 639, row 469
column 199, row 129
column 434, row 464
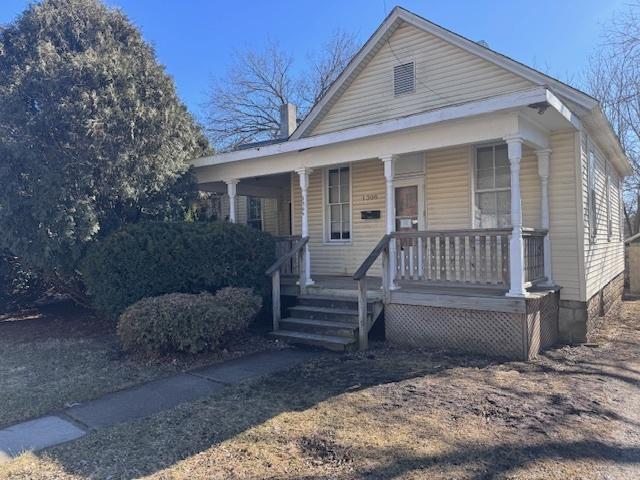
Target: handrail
column 366, row 265
column 459, row 232
column 287, row 256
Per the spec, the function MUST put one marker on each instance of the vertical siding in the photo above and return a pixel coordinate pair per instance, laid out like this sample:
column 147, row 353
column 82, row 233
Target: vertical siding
column 445, row 75
column 604, row 256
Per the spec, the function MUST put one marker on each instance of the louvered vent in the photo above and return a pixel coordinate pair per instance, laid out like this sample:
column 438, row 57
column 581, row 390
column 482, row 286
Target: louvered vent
column 403, row 78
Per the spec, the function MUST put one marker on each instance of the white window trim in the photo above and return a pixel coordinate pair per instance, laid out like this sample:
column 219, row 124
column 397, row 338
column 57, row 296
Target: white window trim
column 473, row 157
column 249, row 198
column 621, row 208
column 592, row 210
column 607, row 183
column 326, row 237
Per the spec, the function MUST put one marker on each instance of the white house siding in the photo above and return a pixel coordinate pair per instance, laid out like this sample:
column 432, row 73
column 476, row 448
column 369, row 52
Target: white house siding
column 604, row 256
column 445, row 75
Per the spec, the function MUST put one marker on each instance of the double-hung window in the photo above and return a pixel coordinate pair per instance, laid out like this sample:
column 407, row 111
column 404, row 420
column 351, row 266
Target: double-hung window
column 254, row 213
column 492, row 187
column 593, row 199
column 338, row 207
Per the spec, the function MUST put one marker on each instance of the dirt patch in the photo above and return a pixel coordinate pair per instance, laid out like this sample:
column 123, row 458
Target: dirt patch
column 391, row 413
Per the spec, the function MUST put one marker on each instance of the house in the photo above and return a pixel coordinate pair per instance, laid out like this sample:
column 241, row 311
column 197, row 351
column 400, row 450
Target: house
column 472, row 200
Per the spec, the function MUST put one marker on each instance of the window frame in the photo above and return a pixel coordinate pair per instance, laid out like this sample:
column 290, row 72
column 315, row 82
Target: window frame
column 607, row 180
column 251, row 220
column 474, row 179
column 326, row 207
column 592, row 193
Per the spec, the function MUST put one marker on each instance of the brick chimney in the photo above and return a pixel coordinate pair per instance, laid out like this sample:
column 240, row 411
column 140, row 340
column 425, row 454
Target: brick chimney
column 288, row 121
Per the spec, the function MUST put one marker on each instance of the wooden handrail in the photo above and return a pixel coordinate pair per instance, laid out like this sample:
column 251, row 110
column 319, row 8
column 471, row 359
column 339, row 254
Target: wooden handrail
column 287, row 256
column 375, row 253
column 459, row 232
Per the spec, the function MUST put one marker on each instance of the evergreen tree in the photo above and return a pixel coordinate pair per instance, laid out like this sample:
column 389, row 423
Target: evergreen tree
column 92, row 133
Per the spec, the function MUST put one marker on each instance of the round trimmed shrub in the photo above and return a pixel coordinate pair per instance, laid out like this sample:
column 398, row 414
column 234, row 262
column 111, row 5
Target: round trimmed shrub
column 154, row 258
column 183, row 322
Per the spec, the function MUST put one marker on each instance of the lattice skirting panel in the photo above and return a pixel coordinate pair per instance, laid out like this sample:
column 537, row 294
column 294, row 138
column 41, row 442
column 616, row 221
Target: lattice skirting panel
column 513, row 335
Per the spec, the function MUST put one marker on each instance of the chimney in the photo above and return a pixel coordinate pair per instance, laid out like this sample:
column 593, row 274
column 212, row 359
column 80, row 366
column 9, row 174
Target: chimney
column 288, row 121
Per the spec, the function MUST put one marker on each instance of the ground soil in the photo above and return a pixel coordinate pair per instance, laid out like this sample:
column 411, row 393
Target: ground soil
column 574, row 413
column 60, row 355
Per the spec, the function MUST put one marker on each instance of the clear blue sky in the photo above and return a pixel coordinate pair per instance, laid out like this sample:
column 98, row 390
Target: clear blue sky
column 195, row 39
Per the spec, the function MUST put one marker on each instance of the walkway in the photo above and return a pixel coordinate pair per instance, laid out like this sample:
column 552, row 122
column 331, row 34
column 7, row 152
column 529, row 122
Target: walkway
column 141, row 401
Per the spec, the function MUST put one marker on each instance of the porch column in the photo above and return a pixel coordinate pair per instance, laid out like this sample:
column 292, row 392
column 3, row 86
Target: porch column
column 516, row 245
column 543, row 172
column 303, row 175
column 231, row 191
column 388, row 161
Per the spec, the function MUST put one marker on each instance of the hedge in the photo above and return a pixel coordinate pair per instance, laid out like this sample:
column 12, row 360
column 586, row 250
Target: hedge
column 182, row 322
column 19, row 286
column 155, row 258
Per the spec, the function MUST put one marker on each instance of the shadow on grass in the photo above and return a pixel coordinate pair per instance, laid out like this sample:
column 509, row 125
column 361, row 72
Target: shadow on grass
column 150, row 445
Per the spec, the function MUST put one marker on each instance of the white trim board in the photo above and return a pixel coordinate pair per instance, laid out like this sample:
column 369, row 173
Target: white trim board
column 510, row 101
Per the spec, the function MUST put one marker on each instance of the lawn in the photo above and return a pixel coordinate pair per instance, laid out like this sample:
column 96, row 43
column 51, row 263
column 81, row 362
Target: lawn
column 391, row 413
column 62, row 355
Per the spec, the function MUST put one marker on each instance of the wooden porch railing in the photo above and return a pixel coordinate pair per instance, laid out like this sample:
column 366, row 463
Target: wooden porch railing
column 479, row 257
column 533, row 255
column 382, row 248
column 283, row 263
column 283, row 245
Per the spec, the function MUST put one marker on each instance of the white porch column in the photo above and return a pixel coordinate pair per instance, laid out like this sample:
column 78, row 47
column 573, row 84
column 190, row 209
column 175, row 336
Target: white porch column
column 543, row 172
column 231, row 191
column 388, row 161
column 303, row 175
column 516, row 245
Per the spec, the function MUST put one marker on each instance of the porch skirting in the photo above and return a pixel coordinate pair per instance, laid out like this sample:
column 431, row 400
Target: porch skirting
column 515, row 335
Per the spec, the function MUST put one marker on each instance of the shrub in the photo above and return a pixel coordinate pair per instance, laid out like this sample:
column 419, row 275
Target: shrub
column 19, row 286
column 154, row 258
column 185, row 322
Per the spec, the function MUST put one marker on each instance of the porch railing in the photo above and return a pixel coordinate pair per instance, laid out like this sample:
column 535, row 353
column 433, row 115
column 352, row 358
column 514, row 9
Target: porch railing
column 479, row 257
column 283, row 245
column 533, row 255
column 282, row 264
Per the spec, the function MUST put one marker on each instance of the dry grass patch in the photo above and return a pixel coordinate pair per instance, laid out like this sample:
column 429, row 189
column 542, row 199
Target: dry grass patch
column 574, row 413
column 57, row 357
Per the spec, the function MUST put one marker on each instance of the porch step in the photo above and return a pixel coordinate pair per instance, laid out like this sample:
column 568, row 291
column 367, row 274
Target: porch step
column 322, row 327
column 325, row 313
column 330, row 342
column 328, row 301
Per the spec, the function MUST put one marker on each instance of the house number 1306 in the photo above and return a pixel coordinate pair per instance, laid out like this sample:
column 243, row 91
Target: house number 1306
column 369, row 196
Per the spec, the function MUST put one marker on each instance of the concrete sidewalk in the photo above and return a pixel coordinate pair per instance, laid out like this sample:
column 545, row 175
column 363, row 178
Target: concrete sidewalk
column 141, row 401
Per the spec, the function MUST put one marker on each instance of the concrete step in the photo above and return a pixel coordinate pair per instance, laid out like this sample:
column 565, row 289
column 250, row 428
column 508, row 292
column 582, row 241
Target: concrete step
column 330, row 342
column 329, row 301
column 324, row 313
column 322, row 327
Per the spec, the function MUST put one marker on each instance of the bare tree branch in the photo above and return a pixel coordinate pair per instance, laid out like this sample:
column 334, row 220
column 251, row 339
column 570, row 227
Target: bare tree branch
column 244, row 106
column 613, row 78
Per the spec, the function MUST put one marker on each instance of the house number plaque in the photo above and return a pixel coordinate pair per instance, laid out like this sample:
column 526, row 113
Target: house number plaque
column 369, row 196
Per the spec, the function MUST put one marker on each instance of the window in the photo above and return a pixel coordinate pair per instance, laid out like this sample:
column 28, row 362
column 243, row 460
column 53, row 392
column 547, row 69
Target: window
column 608, row 198
column 403, row 78
column 492, row 187
column 254, row 213
column 621, row 208
column 592, row 200
column 338, row 207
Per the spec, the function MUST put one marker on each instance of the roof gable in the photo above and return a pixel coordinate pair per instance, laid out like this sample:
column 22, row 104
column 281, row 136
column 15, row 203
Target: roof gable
column 363, row 93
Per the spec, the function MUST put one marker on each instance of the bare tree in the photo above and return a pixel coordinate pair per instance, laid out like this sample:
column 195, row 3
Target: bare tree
column 244, row 106
column 614, row 79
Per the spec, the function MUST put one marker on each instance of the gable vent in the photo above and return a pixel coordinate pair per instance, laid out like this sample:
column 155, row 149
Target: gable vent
column 403, row 78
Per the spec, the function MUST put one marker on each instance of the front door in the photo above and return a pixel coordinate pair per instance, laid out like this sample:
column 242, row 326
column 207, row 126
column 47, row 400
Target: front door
column 406, row 208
